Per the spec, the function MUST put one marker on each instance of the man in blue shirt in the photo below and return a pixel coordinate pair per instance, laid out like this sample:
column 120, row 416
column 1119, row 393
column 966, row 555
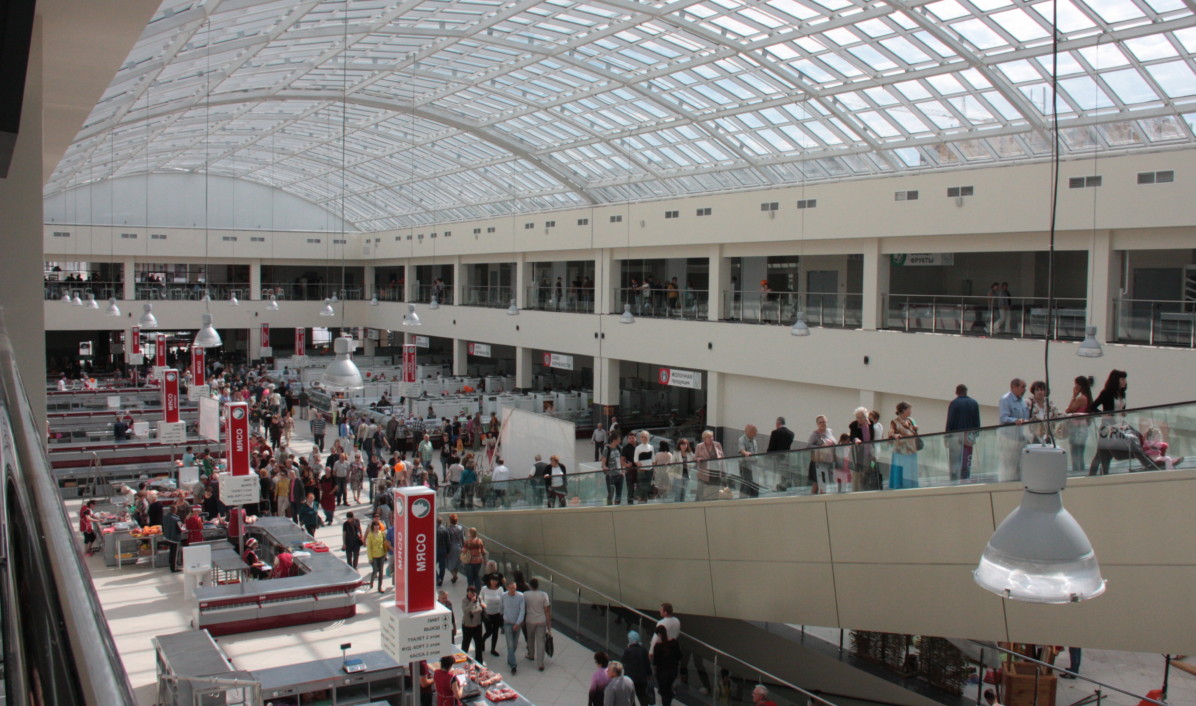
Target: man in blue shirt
column 963, row 414
column 1013, row 414
column 513, row 614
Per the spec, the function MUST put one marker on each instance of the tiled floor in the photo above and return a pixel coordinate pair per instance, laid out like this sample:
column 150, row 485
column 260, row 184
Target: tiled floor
column 141, row 602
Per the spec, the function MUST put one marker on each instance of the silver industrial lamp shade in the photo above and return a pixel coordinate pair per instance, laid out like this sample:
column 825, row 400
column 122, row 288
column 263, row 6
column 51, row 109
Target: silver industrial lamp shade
column 327, row 310
column 434, row 304
column 334, row 299
column 66, row 298
column 91, row 301
column 342, row 374
column 627, row 318
column 207, row 336
column 273, row 304
column 233, row 301
column 411, row 318
column 799, row 327
column 1040, row 554
column 76, row 301
column 113, row 309
column 374, row 299
column 207, row 297
column 512, row 310
column 147, row 320
column 1090, row 347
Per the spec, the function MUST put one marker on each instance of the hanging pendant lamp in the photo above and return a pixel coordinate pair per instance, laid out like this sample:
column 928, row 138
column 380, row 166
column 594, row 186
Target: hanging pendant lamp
column 799, row 326
column 512, row 310
column 113, row 309
column 1090, row 347
column 411, row 318
column 233, row 301
column 207, row 336
column 434, row 304
column 342, row 374
column 76, row 300
column 374, row 299
column 147, row 320
column 66, row 298
column 627, row 318
column 327, row 310
column 273, row 304
column 91, row 301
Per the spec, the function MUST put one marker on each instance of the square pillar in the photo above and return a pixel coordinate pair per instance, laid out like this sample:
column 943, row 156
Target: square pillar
column 876, row 285
column 128, row 282
column 255, row 280
column 606, row 382
column 606, row 278
column 524, row 361
column 460, row 357
column 369, row 283
column 519, row 282
column 1104, row 282
column 720, row 281
column 457, row 287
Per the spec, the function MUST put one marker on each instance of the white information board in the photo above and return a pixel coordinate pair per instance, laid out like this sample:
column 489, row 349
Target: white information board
column 239, row 490
column 209, row 418
column 411, row 637
column 198, row 392
column 113, row 401
column 172, row 432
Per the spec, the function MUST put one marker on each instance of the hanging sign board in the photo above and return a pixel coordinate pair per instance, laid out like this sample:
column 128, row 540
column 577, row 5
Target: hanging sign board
column 265, row 349
column 673, row 377
column 413, row 637
column 239, row 490
column 160, row 350
column 236, row 434
column 409, row 367
column 172, row 432
column 923, row 259
column 481, row 350
column 300, row 342
column 170, row 396
column 422, row 341
column 135, row 341
column 559, row 361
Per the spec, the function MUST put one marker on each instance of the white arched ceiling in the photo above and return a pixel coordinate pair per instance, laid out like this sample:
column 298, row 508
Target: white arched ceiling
column 405, row 113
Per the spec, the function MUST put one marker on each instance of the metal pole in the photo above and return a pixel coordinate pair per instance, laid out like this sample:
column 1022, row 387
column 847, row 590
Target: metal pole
column 980, row 681
column 1166, row 675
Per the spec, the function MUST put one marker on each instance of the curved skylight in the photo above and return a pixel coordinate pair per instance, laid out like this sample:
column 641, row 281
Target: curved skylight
column 418, row 112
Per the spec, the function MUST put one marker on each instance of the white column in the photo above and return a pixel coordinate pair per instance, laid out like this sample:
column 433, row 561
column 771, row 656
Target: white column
column 460, row 357
column 457, row 269
column 720, row 281
column 1104, row 283
column 606, row 381
column 876, row 284
column 524, row 361
column 714, row 399
column 127, row 278
column 368, row 285
column 368, row 346
column 520, row 280
column 606, row 278
column 255, row 280
column 21, row 229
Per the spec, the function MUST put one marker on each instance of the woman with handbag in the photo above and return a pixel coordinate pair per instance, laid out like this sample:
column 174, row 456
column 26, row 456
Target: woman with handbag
column 684, row 458
column 473, row 555
column 903, row 469
column 822, row 457
column 1115, row 437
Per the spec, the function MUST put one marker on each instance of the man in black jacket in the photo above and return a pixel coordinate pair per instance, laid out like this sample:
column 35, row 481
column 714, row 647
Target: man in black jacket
column 637, row 667
column 781, row 439
column 539, row 481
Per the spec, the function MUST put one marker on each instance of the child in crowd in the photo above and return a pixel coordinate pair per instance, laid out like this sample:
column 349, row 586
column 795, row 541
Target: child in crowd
column 1156, row 449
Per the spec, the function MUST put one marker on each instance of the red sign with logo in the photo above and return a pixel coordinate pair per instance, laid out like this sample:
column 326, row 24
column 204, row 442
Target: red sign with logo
column 199, row 371
column 265, row 335
column 170, row 396
column 300, row 341
column 236, row 435
column 160, row 351
column 415, row 548
column 135, row 341
column 409, row 362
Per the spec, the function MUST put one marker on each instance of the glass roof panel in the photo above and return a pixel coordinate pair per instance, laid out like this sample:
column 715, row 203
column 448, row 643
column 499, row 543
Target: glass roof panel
column 471, row 108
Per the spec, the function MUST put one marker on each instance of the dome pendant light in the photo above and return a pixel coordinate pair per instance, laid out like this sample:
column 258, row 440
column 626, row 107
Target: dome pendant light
column 627, row 318
column 411, row 318
column 1039, row 553
column 207, row 336
column 799, row 326
column 374, row 300
column 91, row 301
column 334, row 298
column 342, row 374
column 207, row 297
column 1090, row 347
column 66, row 298
column 512, row 310
column 76, row 301
column 147, row 320
column 273, row 305
column 434, row 304
column 233, row 301
column 113, row 309
column 327, row 310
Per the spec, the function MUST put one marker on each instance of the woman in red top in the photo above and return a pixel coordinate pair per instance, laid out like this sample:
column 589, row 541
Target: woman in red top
column 448, row 691
column 328, row 495
column 194, row 527
column 86, row 526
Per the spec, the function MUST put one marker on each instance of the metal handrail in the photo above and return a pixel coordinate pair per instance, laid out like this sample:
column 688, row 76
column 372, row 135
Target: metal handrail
column 623, row 606
column 1021, row 657
column 66, row 650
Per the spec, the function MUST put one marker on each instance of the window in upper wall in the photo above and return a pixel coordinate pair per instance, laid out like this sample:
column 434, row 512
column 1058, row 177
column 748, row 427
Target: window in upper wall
column 490, row 229
column 807, row 203
column 1084, row 182
column 583, row 221
column 61, row 234
column 954, row 191
column 129, row 236
column 770, row 206
column 705, row 211
column 529, row 225
column 1166, row 177
column 252, row 239
column 672, row 214
column 906, row 195
column 616, row 219
column 229, row 238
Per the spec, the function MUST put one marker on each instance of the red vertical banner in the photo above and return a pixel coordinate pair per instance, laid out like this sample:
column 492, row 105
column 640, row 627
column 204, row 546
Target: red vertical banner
column 236, row 435
column 300, row 342
column 135, row 341
column 170, row 396
column 265, row 335
column 415, row 548
column 199, row 370
column 160, row 350
column 409, row 362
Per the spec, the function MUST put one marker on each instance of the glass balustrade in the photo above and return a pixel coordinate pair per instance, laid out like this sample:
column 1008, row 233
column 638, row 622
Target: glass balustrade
column 781, row 308
column 567, row 299
column 662, row 303
column 493, row 297
column 1155, row 322
column 983, row 316
column 1138, row 440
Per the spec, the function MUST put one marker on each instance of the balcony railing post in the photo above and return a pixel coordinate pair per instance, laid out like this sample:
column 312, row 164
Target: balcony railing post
column 1152, row 326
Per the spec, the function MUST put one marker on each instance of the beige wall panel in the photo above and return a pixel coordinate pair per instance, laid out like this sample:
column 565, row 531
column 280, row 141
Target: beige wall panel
column 930, row 599
column 932, row 526
column 1145, row 609
column 785, row 531
column 1140, row 520
column 583, row 533
column 684, row 583
column 519, row 530
column 599, row 573
column 674, row 531
column 775, row 591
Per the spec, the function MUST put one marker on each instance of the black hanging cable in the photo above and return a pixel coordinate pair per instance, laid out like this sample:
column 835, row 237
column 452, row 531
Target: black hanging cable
column 1046, row 348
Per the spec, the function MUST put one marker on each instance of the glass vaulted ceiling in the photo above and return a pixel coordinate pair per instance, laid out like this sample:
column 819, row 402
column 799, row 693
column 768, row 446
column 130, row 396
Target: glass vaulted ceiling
column 458, row 109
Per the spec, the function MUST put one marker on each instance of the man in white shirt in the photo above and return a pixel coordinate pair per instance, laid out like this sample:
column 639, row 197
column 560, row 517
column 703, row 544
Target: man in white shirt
column 599, row 439
column 670, row 622
column 500, row 480
column 538, row 621
column 644, row 455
